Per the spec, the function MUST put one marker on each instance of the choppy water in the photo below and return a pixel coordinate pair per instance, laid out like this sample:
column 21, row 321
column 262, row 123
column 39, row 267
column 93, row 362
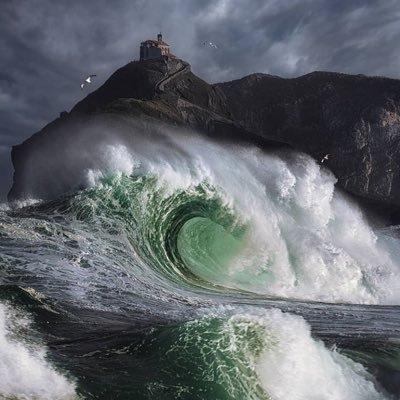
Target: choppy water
column 201, row 271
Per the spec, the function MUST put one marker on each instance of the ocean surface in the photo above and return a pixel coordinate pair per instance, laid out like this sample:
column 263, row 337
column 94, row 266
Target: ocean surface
column 187, row 269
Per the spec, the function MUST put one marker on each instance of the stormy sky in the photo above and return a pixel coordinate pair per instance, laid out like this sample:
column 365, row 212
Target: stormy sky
column 47, row 47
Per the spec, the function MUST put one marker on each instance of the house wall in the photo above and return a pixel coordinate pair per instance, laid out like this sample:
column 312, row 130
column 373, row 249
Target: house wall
column 148, row 52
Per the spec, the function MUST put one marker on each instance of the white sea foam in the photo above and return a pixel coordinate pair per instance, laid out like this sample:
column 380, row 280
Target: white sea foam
column 305, row 240
column 114, row 160
column 286, row 360
column 296, row 366
column 24, row 371
column 4, row 207
column 20, row 204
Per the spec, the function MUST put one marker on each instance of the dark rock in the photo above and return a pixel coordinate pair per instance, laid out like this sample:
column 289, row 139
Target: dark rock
column 354, row 118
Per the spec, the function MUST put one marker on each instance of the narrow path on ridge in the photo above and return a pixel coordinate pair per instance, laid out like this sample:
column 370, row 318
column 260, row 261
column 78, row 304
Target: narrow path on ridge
column 161, row 83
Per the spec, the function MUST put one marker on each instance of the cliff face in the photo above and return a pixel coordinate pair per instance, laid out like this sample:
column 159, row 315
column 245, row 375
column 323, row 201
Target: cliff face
column 356, row 119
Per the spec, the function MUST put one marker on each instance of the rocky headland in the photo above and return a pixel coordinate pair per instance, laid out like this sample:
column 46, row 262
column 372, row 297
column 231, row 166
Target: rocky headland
column 354, row 118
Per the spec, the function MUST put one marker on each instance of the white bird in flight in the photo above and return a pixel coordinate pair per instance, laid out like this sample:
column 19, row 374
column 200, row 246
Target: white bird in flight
column 87, row 80
column 325, row 158
column 210, row 44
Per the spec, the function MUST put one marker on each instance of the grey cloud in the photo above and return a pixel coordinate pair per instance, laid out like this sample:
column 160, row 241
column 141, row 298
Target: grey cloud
column 293, row 38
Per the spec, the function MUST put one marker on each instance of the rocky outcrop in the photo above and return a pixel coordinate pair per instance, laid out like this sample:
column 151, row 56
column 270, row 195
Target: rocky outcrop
column 354, row 118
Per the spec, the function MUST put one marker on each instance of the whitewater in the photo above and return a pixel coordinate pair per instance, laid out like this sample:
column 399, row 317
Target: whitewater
column 175, row 267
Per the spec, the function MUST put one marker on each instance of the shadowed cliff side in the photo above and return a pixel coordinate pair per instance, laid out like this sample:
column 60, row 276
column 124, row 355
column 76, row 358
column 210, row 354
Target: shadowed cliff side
column 356, row 119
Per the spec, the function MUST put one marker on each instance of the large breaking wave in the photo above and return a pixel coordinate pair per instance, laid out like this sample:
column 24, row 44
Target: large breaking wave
column 238, row 218
column 189, row 231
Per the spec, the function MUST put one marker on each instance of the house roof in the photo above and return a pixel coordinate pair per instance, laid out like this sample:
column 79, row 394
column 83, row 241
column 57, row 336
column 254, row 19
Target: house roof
column 155, row 42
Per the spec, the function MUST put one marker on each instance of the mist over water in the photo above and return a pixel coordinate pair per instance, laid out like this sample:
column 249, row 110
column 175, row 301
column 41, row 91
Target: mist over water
column 161, row 259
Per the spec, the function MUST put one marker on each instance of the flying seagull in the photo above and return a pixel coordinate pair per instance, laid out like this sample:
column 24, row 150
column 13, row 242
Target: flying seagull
column 325, row 158
column 87, row 80
column 214, row 46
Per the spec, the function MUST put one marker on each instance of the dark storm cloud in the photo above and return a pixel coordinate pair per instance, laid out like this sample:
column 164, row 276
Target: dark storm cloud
column 292, row 38
column 47, row 47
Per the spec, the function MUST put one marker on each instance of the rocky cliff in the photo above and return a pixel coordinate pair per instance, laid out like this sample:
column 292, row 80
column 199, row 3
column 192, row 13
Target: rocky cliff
column 354, row 118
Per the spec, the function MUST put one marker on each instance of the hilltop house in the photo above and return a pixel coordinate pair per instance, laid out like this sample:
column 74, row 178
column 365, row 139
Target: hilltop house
column 154, row 49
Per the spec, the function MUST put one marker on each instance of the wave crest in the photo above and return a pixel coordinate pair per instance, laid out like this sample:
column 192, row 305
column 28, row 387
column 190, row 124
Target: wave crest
column 241, row 219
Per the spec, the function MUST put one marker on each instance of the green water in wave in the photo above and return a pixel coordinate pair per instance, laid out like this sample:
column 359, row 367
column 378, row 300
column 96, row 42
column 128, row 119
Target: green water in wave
column 188, row 234
column 207, row 248
column 184, row 234
column 207, row 358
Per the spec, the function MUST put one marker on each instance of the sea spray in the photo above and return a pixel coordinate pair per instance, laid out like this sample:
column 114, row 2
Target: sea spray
column 24, row 371
column 299, row 237
column 162, row 268
column 298, row 367
column 238, row 353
